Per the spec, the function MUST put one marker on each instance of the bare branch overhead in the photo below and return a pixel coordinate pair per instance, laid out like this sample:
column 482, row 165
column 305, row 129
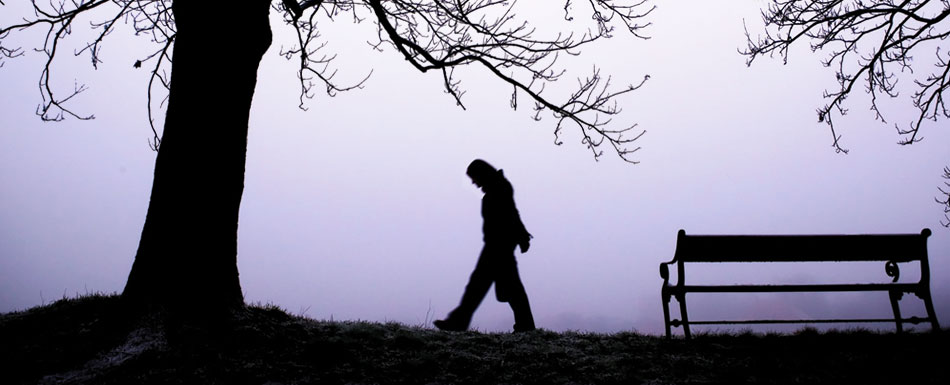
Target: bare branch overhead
column 59, row 18
column 944, row 198
column 433, row 36
column 438, row 36
column 869, row 42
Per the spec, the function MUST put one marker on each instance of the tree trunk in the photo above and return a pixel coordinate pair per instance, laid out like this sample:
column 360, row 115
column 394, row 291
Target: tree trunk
column 187, row 256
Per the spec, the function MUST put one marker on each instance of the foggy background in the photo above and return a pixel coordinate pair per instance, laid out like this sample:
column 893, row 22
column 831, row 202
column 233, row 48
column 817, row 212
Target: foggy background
column 359, row 209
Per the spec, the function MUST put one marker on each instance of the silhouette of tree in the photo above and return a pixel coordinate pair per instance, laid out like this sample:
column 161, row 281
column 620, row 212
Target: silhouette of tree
column 187, row 251
column 873, row 43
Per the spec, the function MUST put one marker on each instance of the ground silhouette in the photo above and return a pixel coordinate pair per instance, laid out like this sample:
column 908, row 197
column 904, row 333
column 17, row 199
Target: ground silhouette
column 89, row 341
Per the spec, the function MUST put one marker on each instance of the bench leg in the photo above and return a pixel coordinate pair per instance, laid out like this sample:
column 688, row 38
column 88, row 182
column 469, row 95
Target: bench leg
column 665, row 297
column 928, row 303
column 681, row 298
column 895, row 297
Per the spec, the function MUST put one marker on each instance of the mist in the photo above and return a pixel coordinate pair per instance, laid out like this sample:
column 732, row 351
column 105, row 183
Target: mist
column 359, row 208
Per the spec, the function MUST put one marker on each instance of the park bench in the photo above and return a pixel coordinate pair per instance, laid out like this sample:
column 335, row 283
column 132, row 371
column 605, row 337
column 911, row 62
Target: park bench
column 892, row 249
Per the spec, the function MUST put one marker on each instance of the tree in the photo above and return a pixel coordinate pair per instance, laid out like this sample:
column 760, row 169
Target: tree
column 188, row 248
column 869, row 42
column 945, row 202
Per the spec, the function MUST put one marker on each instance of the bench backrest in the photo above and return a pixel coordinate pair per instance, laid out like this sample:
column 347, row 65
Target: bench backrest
column 801, row 248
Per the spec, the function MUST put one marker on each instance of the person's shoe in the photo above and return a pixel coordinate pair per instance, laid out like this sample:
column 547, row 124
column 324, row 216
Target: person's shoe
column 449, row 326
column 523, row 329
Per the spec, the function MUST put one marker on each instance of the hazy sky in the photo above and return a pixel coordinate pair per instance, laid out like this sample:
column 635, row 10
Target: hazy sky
column 360, row 209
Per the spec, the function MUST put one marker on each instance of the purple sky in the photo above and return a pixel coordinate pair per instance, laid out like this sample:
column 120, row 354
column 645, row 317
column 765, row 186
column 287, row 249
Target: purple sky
column 360, row 209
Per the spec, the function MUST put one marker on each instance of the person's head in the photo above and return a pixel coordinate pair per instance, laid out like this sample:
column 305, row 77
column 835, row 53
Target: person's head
column 481, row 172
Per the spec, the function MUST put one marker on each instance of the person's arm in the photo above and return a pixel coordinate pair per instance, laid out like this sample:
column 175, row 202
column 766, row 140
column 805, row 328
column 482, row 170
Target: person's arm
column 524, row 237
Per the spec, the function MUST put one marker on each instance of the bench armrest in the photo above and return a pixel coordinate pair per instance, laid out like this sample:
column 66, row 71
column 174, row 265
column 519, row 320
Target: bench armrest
column 665, row 270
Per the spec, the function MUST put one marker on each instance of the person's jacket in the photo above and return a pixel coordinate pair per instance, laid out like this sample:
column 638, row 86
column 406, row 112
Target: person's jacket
column 502, row 223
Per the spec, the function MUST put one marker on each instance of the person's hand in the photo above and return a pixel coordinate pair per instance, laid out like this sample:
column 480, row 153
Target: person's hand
column 524, row 246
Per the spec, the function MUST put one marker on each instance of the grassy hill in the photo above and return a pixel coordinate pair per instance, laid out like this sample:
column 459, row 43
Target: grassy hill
column 90, row 341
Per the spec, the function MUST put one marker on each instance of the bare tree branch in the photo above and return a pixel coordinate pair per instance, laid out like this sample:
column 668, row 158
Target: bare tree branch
column 315, row 67
column 442, row 35
column 163, row 57
column 431, row 35
column 59, row 18
column 872, row 42
column 944, row 199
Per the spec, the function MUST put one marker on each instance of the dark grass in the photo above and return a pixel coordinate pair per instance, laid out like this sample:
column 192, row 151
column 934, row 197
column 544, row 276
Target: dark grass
column 91, row 340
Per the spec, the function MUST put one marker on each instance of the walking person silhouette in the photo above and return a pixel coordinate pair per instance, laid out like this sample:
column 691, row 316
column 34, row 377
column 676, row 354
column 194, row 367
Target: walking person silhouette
column 503, row 231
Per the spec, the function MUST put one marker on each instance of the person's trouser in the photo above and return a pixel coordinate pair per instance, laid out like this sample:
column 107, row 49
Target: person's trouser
column 497, row 265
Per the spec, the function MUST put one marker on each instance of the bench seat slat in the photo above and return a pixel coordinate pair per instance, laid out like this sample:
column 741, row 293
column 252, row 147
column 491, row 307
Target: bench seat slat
column 904, row 287
column 801, row 248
